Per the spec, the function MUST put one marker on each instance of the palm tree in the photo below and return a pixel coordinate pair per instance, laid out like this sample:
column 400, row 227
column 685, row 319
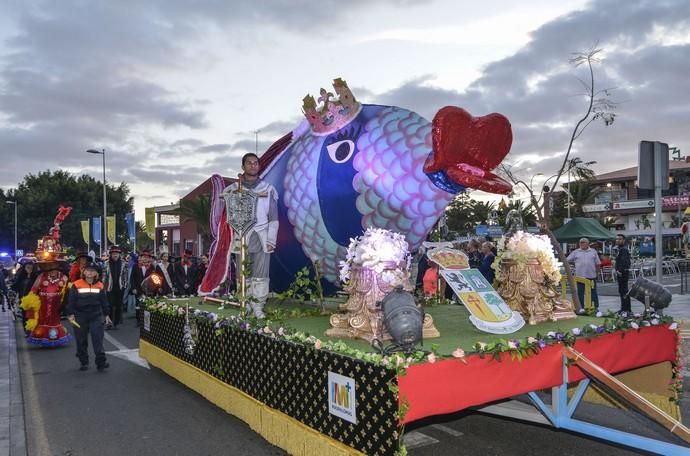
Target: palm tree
column 581, row 192
column 529, row 217
column 197, row 210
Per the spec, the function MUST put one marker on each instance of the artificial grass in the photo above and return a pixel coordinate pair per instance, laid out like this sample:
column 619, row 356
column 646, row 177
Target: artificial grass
column 451, row 320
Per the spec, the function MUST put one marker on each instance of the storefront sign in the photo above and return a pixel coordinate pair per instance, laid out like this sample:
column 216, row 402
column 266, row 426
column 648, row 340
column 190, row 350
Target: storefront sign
column 674, row 202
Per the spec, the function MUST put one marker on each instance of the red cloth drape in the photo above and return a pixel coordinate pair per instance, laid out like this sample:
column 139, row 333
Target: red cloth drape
column 450, row 385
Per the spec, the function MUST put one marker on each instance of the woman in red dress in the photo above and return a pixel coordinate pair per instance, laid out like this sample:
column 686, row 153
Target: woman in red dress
column 43, row 304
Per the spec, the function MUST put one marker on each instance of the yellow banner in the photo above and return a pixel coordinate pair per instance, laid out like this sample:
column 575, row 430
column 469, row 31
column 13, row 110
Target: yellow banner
column 150, row 221
column 110, row 220
column 85, row 231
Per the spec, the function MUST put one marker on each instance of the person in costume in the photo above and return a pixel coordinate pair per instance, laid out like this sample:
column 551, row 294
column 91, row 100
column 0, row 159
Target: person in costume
column 23, row 281
column 201, row 269
column 261, row 239
column 87, row 310
column 140, row 272
column 77, row 269
column 115, row 277
column 165, row 269
column 43, row 303
column 185, row 275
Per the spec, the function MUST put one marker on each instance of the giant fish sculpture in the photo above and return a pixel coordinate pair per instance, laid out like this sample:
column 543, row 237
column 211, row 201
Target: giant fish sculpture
column 350, row 166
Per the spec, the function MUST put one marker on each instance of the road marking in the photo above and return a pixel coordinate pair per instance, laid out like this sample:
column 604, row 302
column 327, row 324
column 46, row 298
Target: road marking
column 127, row 354
column 447, row 430
column 517, row 410
column 416, row 439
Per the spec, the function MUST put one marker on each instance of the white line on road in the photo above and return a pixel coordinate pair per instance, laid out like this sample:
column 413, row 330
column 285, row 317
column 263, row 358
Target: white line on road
column 416, row 439
column 127, row 354
column 447, row 430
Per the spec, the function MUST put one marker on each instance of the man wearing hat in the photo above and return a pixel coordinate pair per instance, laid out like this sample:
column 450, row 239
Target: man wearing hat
column 87, row 310
column 141, row 271
column 185, row 275
column 78, row 266
column 115, row 282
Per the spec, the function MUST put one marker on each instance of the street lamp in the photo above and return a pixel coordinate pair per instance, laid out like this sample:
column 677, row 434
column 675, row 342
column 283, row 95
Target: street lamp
column 104, row 241
column 15, row 228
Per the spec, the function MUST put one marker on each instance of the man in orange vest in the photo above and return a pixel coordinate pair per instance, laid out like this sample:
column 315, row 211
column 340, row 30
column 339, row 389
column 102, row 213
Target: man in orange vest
column 87, row 310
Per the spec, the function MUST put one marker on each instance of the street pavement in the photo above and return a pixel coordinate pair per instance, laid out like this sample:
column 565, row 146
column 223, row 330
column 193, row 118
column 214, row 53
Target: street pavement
column 130, row 409
column 133, row 409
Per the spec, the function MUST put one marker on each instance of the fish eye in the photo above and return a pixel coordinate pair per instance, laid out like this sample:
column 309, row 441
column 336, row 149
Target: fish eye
column 341, row 151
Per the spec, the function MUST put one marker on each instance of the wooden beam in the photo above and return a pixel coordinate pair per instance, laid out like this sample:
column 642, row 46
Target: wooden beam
column 627, row 394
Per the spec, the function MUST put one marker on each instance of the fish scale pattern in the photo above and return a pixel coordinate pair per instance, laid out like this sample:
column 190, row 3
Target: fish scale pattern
column 304, row 213
column 394, row 192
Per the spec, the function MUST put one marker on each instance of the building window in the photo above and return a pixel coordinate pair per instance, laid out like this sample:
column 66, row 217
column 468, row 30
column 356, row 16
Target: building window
column 189, row 245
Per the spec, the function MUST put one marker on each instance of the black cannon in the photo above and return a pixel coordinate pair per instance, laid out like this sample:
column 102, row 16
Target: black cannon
column 402, row 318
column 650, row 293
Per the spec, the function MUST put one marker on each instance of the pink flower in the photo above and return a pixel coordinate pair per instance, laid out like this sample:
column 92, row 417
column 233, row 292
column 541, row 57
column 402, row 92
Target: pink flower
column 431, row 358
column 460, row 354
column 317, row 344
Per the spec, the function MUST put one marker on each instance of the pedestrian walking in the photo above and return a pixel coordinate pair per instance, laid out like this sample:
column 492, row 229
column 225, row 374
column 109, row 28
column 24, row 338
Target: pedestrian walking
column 115, row 276
column 87, row 310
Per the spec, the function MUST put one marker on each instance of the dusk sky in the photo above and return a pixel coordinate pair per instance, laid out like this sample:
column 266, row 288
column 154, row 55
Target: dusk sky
column 174, row 90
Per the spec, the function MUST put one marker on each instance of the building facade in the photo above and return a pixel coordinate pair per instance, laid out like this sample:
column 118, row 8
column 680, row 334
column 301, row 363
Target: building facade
column 631, row 209
column 173, row 234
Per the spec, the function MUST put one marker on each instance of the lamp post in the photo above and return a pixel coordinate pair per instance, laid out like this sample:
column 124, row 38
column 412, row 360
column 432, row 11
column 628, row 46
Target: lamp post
column 104, row 241
column 15, row 228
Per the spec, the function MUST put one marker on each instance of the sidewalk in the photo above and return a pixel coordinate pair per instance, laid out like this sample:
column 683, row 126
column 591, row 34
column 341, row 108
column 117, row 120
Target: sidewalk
column 679, row 308
column 12, row 435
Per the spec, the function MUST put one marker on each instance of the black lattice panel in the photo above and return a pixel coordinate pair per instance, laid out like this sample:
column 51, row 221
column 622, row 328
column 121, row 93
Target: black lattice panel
column 291, row 378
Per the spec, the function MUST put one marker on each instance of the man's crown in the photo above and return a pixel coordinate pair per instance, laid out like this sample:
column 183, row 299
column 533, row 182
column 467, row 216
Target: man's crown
column 330, row 114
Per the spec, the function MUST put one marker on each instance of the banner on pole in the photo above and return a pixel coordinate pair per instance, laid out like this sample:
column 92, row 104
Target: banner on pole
column 131, row 226
column 110, row 220
column 96, row 229
column 85, row 231
column 150, row 222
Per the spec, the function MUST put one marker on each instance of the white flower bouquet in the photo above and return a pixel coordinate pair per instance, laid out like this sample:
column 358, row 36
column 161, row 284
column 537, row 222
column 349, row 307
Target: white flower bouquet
column 522, row 246
column 383, row 251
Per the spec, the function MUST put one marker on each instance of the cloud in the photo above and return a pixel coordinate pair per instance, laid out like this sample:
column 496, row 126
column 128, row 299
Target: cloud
column 539, row 91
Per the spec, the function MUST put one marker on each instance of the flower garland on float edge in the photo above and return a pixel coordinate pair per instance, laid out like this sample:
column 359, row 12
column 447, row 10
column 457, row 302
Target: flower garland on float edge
column 517, row 349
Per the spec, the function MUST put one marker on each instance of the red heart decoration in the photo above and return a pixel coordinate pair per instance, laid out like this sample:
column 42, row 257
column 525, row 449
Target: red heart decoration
column 468, row 148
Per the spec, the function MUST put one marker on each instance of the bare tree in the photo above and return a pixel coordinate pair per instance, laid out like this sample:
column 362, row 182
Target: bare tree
column 599, row 107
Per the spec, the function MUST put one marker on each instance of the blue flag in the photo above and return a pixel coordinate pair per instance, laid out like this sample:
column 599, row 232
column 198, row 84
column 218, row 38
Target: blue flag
column 96, row 229
column 130, row 226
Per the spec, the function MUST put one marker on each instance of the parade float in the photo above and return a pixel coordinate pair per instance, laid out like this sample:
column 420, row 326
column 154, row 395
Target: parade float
column 314, row 384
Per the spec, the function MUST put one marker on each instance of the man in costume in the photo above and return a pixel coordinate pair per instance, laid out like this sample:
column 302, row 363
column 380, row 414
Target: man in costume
column 87, row 310
column 140, row 272
column 261, row 239
column 185, row 275
column 115, row 282
column 43, row 303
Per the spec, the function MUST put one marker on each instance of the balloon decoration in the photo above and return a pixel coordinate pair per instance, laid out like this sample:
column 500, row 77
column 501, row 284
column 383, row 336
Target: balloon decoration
column 350, row 166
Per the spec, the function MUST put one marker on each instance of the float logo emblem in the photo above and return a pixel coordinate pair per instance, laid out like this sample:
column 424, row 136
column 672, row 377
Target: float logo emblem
column 342, row 397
